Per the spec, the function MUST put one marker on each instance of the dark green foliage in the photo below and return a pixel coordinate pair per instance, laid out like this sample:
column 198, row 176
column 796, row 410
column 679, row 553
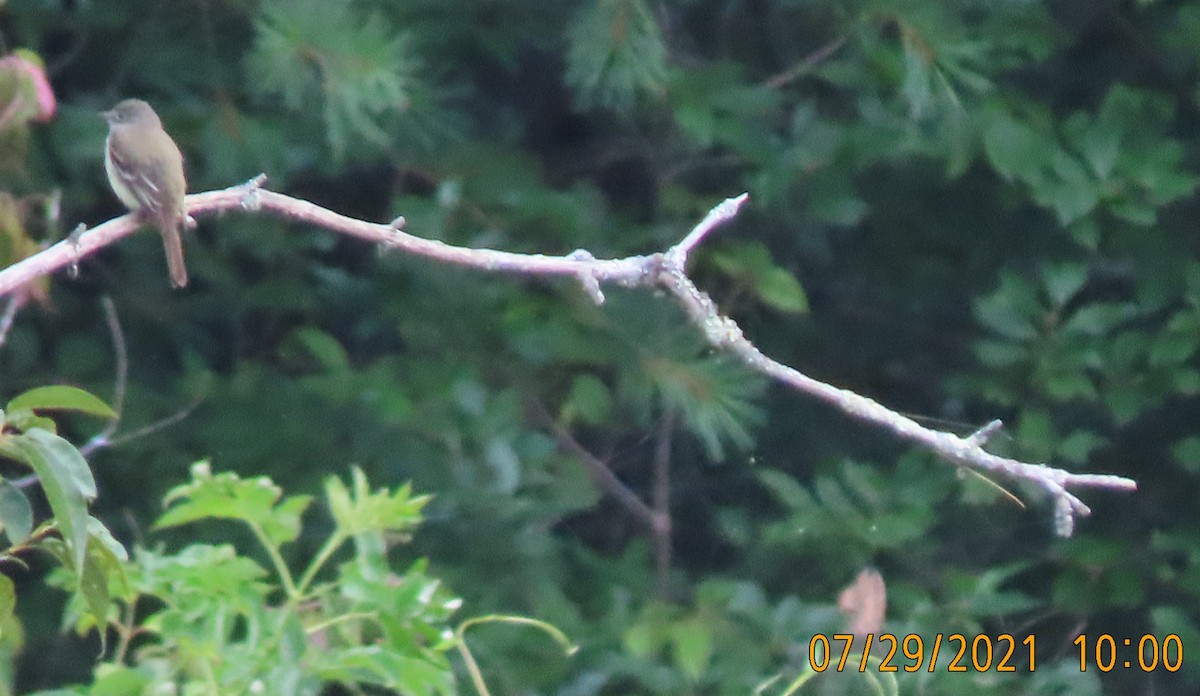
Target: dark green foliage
column 616, row 54
column 963, row 209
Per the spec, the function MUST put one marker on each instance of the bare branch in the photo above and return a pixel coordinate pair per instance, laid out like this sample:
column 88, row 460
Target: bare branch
column 628, row 271
column 723, row 333
column 664, row 270
column 151, row 428
column 721, row 213
column 810, row 61
column 662, row 501
column 120, row 382
column 601, row 475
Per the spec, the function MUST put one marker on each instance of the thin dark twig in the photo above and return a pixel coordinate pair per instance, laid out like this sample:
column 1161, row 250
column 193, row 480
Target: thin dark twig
column 601, row 475
column 120, row 381
column 157, row 425
column 662, row 501
column 808, row 63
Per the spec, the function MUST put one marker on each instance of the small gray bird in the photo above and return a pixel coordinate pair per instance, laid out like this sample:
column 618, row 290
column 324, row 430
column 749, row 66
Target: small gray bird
column 145, row 170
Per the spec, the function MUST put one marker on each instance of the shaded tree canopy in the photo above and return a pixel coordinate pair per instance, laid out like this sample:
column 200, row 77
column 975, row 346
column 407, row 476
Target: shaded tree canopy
column 964, row 210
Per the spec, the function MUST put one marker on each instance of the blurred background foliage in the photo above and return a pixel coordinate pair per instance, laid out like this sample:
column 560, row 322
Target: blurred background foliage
column 963, row 209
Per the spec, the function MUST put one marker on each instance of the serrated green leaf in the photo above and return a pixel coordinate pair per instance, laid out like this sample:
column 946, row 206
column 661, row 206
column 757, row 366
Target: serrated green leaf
column 362, row 511
column 61, row 398
column 228, row 496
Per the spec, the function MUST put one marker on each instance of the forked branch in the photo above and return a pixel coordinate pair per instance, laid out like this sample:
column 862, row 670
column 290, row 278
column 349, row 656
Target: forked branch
column 666, row 270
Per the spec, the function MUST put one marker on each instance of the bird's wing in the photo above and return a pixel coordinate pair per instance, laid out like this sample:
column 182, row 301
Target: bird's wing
column 147, row 177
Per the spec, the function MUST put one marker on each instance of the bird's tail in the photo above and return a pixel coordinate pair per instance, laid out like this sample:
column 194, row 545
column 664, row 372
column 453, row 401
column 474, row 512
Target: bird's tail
column 173, row 244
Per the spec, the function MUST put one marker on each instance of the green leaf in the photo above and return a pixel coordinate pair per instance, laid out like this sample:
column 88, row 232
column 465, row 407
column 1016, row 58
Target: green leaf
column 8, row 598
column 1168, row 620
column 1073, row 192
column 228, row 496
column 204, row 572
column 1000, row 354
column 642, row 639
column 1187, row 453
column 1173, row 347
column 652, row 630
column 1099, row 141
column 318, row 346
column 787, row 490
column 833, row 199
column 61, row 398
column 67, row 481
column 363, row 511
column 1077, row 446
column 374, row 665
column 1012, row 310
column 103, row 570
column 23, row 419
column 1063, row 280
column 16, row 516
column 591, row 399
column 782, row 291
column 119, row 680
column 693, row 644
column 1014, row 149
column 1098, row 319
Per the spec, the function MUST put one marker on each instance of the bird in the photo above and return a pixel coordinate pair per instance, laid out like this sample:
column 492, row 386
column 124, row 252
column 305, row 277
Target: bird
column 145, row 170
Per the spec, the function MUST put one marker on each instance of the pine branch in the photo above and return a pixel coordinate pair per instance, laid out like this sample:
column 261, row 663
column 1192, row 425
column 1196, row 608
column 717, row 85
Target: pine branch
column 665, row 271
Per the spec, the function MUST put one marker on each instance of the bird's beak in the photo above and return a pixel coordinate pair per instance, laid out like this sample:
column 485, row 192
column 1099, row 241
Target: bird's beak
column 107, row 115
